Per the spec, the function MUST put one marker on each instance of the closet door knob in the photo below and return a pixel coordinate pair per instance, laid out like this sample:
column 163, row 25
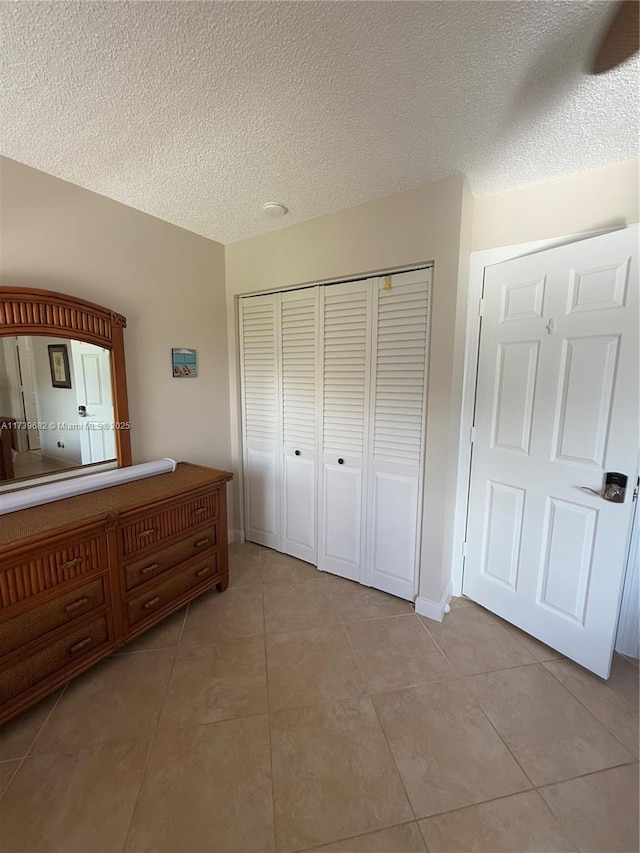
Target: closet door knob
column 297, row 452
column 341, row 461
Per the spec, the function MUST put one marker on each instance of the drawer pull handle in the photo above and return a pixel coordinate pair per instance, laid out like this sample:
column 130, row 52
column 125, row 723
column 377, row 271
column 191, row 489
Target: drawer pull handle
column 69, row 564
column 81, row 644
column 203, row 571
column 145, row 534
column 150, row 568
column 200, row 510
column 151, row 602
column 201, row 542
column 74, row 605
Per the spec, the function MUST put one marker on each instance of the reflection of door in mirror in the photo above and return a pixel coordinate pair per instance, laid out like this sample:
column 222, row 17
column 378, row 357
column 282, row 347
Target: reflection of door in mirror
column 21, row 399
column 50, row 435
column 92, row 368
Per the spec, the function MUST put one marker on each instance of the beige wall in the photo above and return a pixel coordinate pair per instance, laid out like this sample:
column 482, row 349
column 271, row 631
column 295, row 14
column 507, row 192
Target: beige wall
column 168, row 282
column 589, row 201
column 403, row 230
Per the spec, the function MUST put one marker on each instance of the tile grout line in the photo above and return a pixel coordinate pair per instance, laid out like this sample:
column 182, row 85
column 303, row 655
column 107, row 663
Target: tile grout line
column 353, row 837
column 481, row 803
column 266, row 678
column 546, row 784
column 155, row 732
column 532, row 662
column 585, row 775
column 423, row 836
column 365, row 684
column 13, row 775
column 514, row 635
column 384, row 734
column 555, row 817
column 590, row 712
column 184, row 622
column 417, row 820
column 40, row 730
column 366, row 693
column 437, row 645
column 502, row 740
column 21, row 759
column 558, row 818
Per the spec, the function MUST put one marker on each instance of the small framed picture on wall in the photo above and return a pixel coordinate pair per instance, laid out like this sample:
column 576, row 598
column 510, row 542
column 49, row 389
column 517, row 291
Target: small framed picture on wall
column 59, row 366
column 184, row 362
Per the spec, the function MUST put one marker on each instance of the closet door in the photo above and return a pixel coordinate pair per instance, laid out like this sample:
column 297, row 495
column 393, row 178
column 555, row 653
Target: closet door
column 260, row 364
column 345, row 338
column 298, row 322
column 398, row 414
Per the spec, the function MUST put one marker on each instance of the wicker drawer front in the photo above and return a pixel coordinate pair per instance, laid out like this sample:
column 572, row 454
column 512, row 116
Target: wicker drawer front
column 55, row 657
column 45, row 571
column 53, row 614
column 153, row 565
column 192, row 575
column 158, row 527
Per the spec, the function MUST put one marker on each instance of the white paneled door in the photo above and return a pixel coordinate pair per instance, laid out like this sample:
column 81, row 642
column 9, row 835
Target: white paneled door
column 279, row 359
column 398, row 382
column 261, row 417
column 346, row 339
column 298, row 321
column 92, row 369
column 556, row 412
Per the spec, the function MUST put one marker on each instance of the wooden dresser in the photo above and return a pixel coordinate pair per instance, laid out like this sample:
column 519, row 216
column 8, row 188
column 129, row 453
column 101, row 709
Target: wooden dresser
column 82, row 576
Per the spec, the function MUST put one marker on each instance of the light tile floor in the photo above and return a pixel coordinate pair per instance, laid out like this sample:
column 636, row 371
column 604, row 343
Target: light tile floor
column 298, row 711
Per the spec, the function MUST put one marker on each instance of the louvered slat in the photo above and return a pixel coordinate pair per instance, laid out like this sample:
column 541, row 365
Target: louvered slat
column 400, row 372
column 298, row 323
column 345, row 362
column 259, row 370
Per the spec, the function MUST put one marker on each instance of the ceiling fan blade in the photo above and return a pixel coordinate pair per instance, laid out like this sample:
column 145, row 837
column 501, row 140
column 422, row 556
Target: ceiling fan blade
column 621, row 39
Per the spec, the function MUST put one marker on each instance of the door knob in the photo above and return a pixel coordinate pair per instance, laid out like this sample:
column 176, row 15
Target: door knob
column 615, row 487
column 341, row 461
column 297, row 452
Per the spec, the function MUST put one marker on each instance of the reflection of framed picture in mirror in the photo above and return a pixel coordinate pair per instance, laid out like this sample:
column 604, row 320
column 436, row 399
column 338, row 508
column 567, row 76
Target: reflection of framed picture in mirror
column 59, row 364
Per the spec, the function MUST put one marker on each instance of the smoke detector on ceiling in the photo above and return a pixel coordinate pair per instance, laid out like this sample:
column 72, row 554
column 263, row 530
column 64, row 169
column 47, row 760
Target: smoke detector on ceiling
column 275, row 209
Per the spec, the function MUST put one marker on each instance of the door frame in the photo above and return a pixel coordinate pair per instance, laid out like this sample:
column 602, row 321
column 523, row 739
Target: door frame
column 478, row 262
column 627, row 640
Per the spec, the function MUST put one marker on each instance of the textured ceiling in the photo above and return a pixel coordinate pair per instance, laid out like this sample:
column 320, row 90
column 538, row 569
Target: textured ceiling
column 198, row 112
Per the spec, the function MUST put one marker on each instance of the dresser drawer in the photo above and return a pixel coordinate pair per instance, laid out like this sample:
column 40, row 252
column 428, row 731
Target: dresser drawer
column 191, row 575
column 54, row 613
column 55, row 657
column 50, row 568
column 160, row 526
column 157, row 563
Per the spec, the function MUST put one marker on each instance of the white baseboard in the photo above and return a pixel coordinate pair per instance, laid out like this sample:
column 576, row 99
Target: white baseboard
column 236, row 536
column 434, row 609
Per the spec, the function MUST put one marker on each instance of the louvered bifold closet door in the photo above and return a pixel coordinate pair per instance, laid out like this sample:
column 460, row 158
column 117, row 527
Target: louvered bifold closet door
column 346, row 344
column 260, row 364
column 395, row 459
column 300, row 397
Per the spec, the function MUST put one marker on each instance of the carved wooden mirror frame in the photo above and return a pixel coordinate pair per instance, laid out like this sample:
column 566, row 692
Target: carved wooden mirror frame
column 28, row 311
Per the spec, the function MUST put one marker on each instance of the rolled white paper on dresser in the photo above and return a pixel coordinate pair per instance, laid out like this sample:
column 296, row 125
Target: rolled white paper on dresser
column 14, row 501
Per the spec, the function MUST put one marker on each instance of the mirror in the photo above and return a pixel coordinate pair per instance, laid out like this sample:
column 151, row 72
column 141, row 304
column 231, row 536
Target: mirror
column 63, row 403
column 56, row 403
